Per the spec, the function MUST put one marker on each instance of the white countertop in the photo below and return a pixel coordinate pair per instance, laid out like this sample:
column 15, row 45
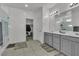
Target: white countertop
column 67, row 33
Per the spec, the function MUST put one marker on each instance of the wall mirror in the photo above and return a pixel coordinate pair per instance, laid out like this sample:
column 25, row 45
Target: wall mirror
column 64, row 21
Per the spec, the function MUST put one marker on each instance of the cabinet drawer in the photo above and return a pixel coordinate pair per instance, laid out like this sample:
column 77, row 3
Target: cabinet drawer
column 75, row 39
column 47, row 33
column 75, row 49
column 66, row 46
column 56, row 35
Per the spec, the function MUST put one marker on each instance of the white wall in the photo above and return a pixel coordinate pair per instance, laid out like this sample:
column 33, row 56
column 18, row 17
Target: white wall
column 2, row 12
column 45, row 19
column 29, row 14
column 38, row 34
column 17, row 24
column 75, row 17
column 29, row 21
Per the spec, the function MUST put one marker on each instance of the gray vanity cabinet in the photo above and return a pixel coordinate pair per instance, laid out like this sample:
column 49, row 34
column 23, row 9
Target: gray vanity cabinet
column 70, row 45
column 56, row 41
column 66, row 45
column 48, row 39
column 75, row 47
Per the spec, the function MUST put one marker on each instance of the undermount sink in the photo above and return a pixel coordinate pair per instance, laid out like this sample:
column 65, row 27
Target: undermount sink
column 62, row 32
column 76, row 33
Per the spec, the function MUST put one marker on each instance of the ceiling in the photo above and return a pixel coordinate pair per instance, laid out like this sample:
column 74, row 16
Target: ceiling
column 31, row 6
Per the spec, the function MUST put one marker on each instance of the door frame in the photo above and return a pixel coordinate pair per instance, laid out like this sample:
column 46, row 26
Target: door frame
column 30, row 24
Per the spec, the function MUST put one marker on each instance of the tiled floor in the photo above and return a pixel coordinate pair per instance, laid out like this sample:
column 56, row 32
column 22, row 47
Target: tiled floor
column 33, row 49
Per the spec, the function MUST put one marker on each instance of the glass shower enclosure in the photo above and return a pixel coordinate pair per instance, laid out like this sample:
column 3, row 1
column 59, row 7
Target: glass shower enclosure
column 3, row 30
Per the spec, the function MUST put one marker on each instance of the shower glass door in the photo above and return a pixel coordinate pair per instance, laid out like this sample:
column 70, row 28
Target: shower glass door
column 1, row 36
column 3, row 31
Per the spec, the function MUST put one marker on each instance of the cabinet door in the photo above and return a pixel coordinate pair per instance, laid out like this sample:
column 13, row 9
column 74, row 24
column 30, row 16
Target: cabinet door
column 1, row 36
column 75, row 49
column 56, row 41
column 66, row 46
column 48, row 39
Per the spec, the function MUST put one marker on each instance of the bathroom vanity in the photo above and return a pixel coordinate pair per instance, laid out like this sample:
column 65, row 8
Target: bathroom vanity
column 64, row 43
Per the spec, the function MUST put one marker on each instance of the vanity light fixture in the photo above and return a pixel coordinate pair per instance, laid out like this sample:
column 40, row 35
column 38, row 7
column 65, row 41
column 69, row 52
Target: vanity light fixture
column 26, row 5
column 54, row 12
column 73, row 4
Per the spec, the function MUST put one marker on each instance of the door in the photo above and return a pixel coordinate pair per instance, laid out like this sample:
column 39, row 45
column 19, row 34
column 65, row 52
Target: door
column 75, row 48
column 1, row 36
column 48, row 39
column 66, row 45
column 29, row 29
column 56, row 41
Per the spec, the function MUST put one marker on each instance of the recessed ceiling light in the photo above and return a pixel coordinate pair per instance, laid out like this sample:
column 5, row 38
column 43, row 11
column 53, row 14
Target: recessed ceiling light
column 26, row 5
